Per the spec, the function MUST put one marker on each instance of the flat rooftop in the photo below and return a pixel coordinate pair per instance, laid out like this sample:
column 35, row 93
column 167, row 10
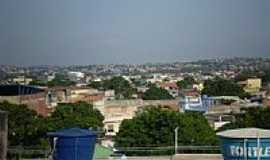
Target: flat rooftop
column 16, row 90
column 245, row 133
column 197, row 157
column 179, row 157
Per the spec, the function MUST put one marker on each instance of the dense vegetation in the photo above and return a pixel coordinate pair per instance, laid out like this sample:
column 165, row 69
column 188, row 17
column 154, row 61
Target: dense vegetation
column 154, row 126
column 81, row 115
column 186, row 83
column 156, row 93
column 253, row 117
column 263, row 74
column 122, row 87
column 223, row 87
column 59, row 80
column 26, row 128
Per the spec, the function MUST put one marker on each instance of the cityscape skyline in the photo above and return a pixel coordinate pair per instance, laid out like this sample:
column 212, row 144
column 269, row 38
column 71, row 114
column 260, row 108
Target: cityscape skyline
column 131, row 32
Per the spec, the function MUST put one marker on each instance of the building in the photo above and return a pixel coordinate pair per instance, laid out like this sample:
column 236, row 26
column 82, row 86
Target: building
column 44, row 101
column 217, row 120
column 34, row 98
column 75, row 76
column 109, row 94
column 171, row 87
column 114, row 115
column 115, row 111
column 251, row 85
column 266, row 101
column 245, row 144
column 191, row 100
column 22, row 80
column 198, row 86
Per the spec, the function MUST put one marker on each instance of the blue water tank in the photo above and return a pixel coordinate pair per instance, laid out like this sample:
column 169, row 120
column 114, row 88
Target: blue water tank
column 73, row 144
column 245, row 144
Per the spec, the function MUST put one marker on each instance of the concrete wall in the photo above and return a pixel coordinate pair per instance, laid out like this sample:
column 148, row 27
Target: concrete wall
column 36, row 102
column 116, row 111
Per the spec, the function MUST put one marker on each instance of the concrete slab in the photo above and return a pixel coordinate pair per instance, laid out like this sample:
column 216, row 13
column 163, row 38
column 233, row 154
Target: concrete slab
column 197, row 157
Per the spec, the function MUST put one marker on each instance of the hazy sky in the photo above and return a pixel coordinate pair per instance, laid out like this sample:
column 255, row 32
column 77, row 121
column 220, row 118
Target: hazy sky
column 61, row 32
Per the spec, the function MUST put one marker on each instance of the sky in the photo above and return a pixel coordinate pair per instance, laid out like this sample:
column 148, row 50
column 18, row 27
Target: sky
column 68, row 32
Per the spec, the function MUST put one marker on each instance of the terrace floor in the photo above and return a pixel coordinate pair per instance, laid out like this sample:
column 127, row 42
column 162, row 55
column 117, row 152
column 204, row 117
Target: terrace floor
column 177, row 157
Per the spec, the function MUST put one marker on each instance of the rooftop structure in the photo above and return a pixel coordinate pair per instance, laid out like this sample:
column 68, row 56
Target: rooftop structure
column 245, row 144
column 115, row 111
column 14, row 90
column 245, row 133
column 252, row 85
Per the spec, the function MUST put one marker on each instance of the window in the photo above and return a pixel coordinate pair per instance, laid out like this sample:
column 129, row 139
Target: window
column 110, row 128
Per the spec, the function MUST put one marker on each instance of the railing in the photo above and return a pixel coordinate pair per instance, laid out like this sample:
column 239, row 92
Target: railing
column 168, row 150
column 18, row 153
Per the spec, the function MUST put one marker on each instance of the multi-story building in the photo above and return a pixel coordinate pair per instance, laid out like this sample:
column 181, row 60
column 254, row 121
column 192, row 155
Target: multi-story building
column 22, row 80
column 172, row 88
column 191, row 100
column 252, row 85
column 115, row 111
column 44, row 101
column 75, row 76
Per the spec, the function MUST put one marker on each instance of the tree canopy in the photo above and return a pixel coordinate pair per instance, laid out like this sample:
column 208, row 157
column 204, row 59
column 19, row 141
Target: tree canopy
column 80, row 114
column 263, row 74
column 38, row 83
column 223, row 87
column 156, row 93
column 60, row 80
column 186, row 83
column 25, row 126
column 122, row 87
column 253, row 117
column 155, row 127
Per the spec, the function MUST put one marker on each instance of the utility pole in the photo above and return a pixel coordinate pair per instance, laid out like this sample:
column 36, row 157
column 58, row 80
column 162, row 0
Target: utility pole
column 3, row 134
column 176, row 139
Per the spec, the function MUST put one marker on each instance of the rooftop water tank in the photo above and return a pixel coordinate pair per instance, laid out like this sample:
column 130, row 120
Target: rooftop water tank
column 73, row 144
column 245, row 144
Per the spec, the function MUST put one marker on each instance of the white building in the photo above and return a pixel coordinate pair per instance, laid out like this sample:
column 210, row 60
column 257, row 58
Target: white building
column 75, row 76
column 22, row 80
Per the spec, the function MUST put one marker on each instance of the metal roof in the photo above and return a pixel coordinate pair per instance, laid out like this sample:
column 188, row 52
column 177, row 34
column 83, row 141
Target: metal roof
column 72, row 132
column 17, row 90
column 245, row 133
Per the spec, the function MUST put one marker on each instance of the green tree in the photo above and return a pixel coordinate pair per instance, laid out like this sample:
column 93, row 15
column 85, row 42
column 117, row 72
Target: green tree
column 81, row 115
column 186, row 83
column 122, row 87
column 266, row 77
column 25, row 126
column 263, row 74
column 223, row 87
column 96, row 85
column 38, row 83
column 253, row 117
column 155, row 127
column 60, row 80
column 156, row 93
